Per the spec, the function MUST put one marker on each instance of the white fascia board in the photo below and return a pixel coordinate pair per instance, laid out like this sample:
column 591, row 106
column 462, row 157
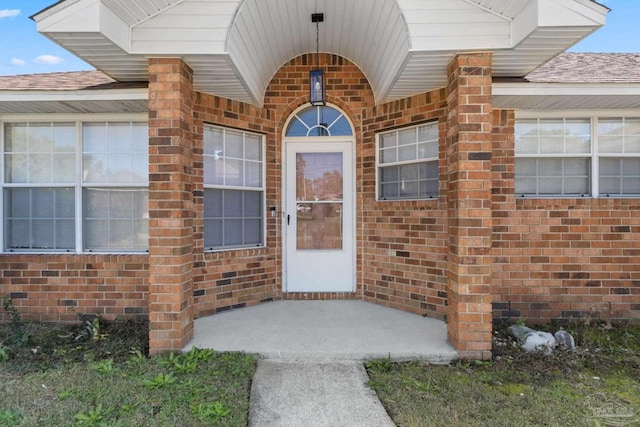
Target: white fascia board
column 81, row 16
column 557, row 13
column 566, row 89
column 86, row 16
column 571, row 13
column 525, row 23
column 53, row 9
column 115, row 29
column 137, row 94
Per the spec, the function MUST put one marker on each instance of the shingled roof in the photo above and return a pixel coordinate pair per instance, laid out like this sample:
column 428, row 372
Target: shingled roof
column 75, row 80
column 589, row 68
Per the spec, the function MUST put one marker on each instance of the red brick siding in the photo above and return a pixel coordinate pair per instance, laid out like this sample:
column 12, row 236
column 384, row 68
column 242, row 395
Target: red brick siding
column 541, row 259
column 348, row 89
column 404, row 243
column 412, row 278
column 469, row 151
column 60, row 288
column 234, row 278
column 560, row 258
column 170, row 204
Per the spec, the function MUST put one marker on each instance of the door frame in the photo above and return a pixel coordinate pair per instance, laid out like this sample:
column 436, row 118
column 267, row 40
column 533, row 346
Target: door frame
column 311, row 141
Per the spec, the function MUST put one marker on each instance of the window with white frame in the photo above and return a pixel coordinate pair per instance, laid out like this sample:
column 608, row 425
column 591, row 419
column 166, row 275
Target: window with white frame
column 577, row 157
column 408, row 163
column 75, row 187
column 619, row 150
column 553, row 157
column 115, row 173
column 234, row 189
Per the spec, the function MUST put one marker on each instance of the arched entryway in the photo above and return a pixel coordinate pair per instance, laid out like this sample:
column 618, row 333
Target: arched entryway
column 319, row 202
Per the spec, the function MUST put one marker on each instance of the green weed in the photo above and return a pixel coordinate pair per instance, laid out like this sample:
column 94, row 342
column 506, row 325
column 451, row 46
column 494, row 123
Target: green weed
column 518, row 388
column 4, row 353
column 380, row 365
column 10, row 418
column 103, row 366
column 14, row 314
column 57, row 380
column 210, row 410
column 94, row 417
column 160, row 380
column 90, row 330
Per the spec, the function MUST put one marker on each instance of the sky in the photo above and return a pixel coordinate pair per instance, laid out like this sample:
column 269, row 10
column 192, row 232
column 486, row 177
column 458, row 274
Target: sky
column 24, row 51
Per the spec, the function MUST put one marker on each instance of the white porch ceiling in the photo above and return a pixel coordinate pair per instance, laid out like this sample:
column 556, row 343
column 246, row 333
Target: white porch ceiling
column 236, row 46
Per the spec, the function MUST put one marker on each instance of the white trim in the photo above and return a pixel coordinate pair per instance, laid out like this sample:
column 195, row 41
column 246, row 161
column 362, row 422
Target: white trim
column 379, row 165
column 594, row 154
column 347, row 144
column 79, row 188
column 2, row 179
column 262, row 189
column 83, row 118
column 283, row 184
column 486, row 9
column 77, row 120
column 294, row 116
column 565, row 89
column 134, row 94
column 55, row 8
column 574, row 114
column 249, row 34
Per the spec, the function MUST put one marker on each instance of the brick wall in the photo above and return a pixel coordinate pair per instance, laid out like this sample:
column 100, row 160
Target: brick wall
column 345, row 87
column 543, row 259
column 558, row 259
column 401, row 246
column 469, row 155
column 62, row 288
column 233, row 279
column 171, row 204
column 404, row 244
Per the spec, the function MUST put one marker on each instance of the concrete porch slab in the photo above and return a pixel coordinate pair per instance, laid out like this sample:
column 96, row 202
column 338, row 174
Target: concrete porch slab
column 325, row 330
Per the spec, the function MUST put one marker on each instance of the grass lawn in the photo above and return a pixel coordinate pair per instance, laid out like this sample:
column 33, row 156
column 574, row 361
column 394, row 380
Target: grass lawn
column 598, row 384
column 98, row 374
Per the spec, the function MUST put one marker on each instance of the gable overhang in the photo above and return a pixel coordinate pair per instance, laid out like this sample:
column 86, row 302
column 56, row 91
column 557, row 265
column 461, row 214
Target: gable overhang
column 236, row 46
column 572, row 96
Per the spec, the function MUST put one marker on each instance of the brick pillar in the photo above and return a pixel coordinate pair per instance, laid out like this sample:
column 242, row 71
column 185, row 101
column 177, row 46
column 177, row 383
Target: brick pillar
column 170, row 204
column 469, row 124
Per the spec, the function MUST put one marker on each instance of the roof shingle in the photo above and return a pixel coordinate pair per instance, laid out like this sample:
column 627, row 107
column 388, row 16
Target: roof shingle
column 589, row 68
column 74, row 80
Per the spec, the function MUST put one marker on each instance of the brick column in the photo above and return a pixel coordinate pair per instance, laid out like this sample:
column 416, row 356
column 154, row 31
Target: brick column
column 170, row 204
column 469, row 124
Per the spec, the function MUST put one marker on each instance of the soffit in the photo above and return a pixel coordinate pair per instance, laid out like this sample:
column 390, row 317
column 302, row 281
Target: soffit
column 566, row 96
column 74, row 102
column 236, row 46
column 76, row 92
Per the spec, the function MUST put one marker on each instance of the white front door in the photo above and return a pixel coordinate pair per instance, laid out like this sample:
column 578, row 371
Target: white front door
column 319, row 217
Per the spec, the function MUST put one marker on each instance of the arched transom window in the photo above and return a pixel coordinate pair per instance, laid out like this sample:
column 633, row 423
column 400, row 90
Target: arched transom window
column 319, row 121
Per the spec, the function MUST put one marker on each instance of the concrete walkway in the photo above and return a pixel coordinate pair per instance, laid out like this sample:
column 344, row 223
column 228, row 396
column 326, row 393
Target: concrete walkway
column 310, row 372
column 320, row 394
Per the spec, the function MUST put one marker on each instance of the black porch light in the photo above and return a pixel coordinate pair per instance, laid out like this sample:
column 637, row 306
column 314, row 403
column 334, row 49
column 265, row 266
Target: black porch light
column 316, row 77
